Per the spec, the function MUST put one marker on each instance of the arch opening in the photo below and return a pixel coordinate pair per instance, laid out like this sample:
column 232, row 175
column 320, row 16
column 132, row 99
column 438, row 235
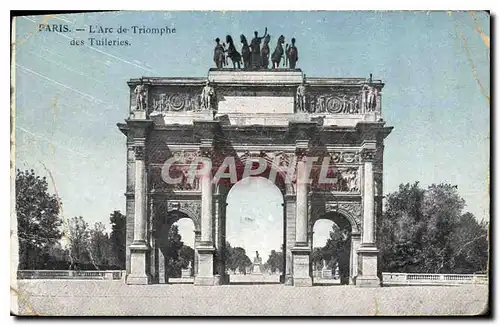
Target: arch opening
column 331, row 256
column 254, row 232
column 175, row 243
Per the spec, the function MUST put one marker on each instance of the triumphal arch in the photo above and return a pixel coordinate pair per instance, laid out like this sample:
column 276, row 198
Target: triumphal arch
column 189, row 140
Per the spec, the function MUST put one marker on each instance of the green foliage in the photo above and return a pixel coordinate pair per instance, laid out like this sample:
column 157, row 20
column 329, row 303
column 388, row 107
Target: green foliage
column 237, row 259
column 424, row 231
column 38, row 219
column 118, row 238
column 336, row 252
column 79, row 241
column 100, row 251
column 175, row 244
column 275, row 262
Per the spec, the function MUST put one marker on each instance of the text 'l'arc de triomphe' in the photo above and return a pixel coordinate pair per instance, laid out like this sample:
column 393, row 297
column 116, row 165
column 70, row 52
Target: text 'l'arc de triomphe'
column 276, row 116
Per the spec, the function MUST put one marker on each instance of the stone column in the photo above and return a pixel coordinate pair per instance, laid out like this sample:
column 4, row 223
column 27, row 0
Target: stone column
column 353, row 271
column 162, row 278
column 197, row 239
column 290, row 211
column 220, row 267
column 139, row 246
column 368, row 252
column 206, row 245
column 301, row 251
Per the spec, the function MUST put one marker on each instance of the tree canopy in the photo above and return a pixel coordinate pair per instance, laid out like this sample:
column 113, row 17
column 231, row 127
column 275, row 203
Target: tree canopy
column 426, row 231
column 38, row 221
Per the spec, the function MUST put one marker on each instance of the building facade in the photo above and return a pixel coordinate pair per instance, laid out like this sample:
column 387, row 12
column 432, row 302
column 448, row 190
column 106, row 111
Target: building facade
column 277, row 124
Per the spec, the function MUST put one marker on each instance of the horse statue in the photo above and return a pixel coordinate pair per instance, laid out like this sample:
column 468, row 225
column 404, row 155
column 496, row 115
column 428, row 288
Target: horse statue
column 278, row 52
column 265, row 51
column 232, row 53
column 219, row 58
column 245, row 52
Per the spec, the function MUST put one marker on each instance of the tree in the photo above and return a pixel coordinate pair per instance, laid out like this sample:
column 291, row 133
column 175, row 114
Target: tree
column 317, row 258
column 79, row 238
column 470, row 241
column 38, row 219
column 275, row 261
column 175, row 244
column 337, row 251
column 99, row 246
column 401, row 229
column 238, row 260
column 424, row 231
column 186, row 256
column 118, row 238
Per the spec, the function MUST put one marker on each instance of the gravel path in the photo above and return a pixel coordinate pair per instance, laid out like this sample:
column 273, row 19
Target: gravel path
column 81, row 297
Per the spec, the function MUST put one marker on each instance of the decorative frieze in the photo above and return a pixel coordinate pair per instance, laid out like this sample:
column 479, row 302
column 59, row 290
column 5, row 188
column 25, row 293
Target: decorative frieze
column 349, row 157
column 176, row 102
column 354, row 209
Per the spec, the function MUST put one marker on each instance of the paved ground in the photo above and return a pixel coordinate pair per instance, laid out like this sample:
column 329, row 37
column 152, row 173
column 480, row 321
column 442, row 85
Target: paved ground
column 81, row 297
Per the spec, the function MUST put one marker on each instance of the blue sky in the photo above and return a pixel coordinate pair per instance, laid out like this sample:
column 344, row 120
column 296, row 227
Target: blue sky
column 69, row 98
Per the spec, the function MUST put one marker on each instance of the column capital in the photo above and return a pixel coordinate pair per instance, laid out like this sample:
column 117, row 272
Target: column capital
column 368, row 152
column 206, row 147
column 301, row 148
column 140, row 152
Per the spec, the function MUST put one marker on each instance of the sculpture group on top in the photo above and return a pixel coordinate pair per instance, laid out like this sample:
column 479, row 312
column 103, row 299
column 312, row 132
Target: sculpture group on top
column 253, row 56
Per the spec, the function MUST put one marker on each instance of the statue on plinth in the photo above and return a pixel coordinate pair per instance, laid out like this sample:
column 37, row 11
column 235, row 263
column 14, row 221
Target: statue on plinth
column 232, row 53
column 141, row 100
column 265, row 52
column 257, row 262
column 255, row 59
column 301, row 98
column 207, row 97
column 218, row 54
column 292, row 54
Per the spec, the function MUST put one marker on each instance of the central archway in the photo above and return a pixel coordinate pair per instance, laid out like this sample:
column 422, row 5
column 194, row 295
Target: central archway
column 254, row 231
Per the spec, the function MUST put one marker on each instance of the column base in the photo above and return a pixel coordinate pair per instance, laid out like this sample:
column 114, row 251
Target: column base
column 301, row 275
column 205, row 265
column 367, row 262
column 137, row 280
column 138, row 274
column 302, row 281
column 204, row 280
column 288, row 280
column 367, row 281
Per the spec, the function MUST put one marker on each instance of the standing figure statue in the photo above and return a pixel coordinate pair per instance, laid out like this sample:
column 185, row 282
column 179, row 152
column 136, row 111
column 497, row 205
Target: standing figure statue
column 245, row 52
column 218, row 54
column 369, row 98
column 292, row 54
column 232, row 53
column 206, row 97
column 278, row 52
column 256, row 60
column 301, row 98
column 141, row 102
column 265, row 52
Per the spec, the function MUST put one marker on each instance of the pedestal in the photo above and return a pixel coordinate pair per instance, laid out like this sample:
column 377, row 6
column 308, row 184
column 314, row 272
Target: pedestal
column 205, row 266
column 138, row 275
column 186, row 272
column 256, row 269
column 367, row 262
column 301, row 276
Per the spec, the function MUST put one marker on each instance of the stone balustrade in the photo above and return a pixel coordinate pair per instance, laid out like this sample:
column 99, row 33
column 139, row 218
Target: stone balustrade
column 431, row 279
column 71, row 274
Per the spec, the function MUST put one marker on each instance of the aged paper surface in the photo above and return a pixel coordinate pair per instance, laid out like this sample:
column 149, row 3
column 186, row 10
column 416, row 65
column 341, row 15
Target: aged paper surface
column 250, row 163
